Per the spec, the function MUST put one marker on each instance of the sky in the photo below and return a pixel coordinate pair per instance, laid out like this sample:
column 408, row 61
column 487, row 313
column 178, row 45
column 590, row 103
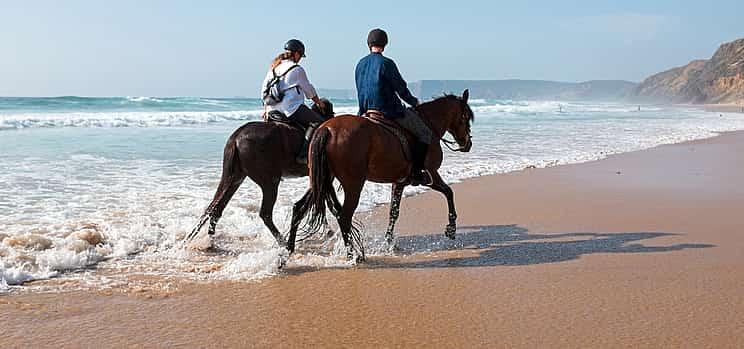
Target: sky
column 223, row 48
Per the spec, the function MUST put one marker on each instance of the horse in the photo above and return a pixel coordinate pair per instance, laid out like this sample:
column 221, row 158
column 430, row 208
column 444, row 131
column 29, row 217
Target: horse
column 264, row 152
column 354, row 149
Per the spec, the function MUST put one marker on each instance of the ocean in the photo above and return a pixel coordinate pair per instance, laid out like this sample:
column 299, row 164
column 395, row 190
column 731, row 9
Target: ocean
column 95, row 191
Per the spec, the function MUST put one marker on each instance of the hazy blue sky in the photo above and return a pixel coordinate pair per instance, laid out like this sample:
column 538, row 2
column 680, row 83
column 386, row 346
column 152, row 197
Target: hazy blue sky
column 222, row 48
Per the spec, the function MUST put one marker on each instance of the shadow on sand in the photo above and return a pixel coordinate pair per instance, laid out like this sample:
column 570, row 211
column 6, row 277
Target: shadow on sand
column 512, row 245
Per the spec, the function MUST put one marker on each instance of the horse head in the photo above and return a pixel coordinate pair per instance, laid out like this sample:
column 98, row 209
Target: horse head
column 327, row 113
column 460, row 126
column 451, row 114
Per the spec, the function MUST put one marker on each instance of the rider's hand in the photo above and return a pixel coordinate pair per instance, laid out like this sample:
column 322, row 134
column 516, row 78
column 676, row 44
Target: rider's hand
column 321, row 104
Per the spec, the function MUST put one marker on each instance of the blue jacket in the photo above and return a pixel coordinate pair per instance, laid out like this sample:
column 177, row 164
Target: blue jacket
column 379, row 84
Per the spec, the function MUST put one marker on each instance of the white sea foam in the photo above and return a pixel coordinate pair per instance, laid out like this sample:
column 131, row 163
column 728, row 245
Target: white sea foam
column 255, row 265
column 144, row 99
column 122, row 119
column 63, row 259
column 15, row 276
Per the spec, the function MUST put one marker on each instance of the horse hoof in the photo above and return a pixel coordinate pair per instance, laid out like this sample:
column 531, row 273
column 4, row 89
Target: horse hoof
column 282, row 244
column 389, row 239
column 352, row 257
column 450, row 231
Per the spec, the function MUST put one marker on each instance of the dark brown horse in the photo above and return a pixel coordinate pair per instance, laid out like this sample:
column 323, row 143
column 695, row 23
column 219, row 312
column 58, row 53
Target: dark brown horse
column 264, row 152
column 354, row 150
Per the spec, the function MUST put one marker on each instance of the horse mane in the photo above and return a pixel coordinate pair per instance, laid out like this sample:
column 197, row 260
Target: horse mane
column 448, row 96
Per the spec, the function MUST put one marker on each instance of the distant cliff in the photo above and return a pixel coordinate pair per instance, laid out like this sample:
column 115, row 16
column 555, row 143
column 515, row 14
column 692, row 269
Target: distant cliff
column 528, row 89
column 719, row 79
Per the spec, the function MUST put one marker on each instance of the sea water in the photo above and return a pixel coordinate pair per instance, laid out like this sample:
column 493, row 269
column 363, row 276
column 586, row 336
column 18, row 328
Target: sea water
column 96, row 190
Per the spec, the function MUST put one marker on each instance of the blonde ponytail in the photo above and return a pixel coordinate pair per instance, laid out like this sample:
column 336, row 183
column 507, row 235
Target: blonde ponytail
column 280, row 58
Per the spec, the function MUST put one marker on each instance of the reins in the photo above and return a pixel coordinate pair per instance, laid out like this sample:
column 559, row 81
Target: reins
column 447, row 143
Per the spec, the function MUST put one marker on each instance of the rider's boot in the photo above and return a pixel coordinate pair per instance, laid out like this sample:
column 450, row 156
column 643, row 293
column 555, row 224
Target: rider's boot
column 302, row 155
column 419, row 174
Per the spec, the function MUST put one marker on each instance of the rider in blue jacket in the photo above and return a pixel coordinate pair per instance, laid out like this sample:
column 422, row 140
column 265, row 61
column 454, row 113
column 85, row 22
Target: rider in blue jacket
column 380, row 87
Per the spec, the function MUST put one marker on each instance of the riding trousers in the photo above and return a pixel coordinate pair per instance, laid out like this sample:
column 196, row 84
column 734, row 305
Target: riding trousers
column 412, row 122
column 306, row 117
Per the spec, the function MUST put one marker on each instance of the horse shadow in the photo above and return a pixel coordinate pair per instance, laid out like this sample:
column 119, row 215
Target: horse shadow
column 512, row 245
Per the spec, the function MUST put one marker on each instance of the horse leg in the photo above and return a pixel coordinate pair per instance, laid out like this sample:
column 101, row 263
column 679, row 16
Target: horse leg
column 225, row 190
column 268, row 200
column 352, row 192
column 336, row 209
column 336, row 205
column 227, row 194
column 297, row 216
column 439, row 185
column 395, row 197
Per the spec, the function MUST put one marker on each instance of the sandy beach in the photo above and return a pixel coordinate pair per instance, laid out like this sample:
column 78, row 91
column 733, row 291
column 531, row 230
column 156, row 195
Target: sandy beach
column 642, row 249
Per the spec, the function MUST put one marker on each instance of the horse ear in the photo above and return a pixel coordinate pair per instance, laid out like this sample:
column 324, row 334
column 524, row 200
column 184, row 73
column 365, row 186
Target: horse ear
column 465, row 95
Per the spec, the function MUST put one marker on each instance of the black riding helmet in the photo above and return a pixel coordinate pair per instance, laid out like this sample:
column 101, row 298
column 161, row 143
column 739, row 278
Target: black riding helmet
column 377, row 37
column 295, row 45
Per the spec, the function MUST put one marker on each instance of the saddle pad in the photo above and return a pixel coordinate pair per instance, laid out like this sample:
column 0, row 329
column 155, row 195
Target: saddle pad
column 394, row 129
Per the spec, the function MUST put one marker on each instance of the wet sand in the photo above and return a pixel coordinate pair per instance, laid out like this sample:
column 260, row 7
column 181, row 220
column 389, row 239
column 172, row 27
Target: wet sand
column 643, row 249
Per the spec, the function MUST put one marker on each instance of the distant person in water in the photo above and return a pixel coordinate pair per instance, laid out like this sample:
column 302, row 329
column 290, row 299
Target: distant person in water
column 294, row 84
column 379, row 86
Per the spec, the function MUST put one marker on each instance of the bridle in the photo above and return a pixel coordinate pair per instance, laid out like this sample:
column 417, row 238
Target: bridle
column 449, row 144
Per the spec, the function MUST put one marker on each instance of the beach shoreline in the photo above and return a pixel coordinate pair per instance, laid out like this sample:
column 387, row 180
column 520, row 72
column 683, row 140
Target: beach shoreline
column 724, row 108
column 637, row 249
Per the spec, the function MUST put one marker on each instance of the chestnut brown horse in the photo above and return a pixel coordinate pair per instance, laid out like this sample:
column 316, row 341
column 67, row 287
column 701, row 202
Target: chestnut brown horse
column 353, row 150
column 264, row 152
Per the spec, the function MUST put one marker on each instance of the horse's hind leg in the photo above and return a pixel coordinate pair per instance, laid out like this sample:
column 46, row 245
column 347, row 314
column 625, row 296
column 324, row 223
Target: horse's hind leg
column 350, row 234
column 297, row 216
column 225, row 190
column 439, row 185
column 222, row 198
column 395, row 197
column 268, row 200
column 336, row 208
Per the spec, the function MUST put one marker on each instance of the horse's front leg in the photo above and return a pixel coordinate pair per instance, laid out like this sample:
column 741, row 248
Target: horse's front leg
column 439, row 185
column 395, row 196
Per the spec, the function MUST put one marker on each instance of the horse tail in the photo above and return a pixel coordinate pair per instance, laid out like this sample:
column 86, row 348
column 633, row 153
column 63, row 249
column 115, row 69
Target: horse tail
column 321, row 193
column 230, row 164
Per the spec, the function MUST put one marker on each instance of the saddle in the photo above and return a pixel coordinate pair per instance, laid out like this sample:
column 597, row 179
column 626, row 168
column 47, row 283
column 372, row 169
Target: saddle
column 279, row 117
column 396, row 130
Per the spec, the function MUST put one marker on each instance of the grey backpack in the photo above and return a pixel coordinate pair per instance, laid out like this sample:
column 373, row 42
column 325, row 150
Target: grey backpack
column 272, row 93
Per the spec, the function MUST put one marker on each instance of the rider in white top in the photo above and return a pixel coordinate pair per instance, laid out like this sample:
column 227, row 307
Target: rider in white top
column 296, row 87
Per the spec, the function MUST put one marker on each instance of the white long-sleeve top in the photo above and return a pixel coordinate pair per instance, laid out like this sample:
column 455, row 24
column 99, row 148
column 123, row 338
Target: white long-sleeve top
column 295, row 84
